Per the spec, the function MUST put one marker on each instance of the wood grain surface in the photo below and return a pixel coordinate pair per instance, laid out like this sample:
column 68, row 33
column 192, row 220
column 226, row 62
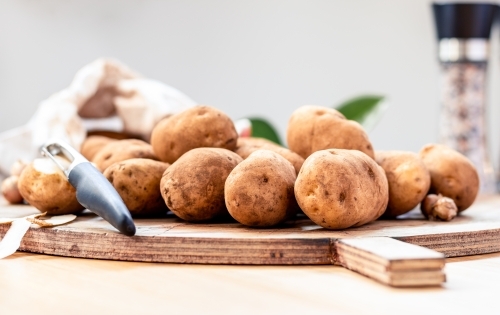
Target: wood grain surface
column 477, row 231
column 43, row 284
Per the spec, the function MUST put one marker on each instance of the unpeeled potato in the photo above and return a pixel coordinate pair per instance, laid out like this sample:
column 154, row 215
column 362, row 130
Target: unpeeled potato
column 312, row 128
column 409, row 180
column 93, row 144
column 452, row 174
column 259, row 191
column 196, row 127
column 246, row 146
column 121, row 150
column 137, row 181
column 339, row 188
column 193, row 186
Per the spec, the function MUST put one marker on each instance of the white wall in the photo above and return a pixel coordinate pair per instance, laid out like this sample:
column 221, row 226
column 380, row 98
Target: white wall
column 245, row 57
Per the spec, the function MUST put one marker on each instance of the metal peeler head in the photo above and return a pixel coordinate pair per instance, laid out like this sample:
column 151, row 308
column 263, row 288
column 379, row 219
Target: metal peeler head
column 53, row 148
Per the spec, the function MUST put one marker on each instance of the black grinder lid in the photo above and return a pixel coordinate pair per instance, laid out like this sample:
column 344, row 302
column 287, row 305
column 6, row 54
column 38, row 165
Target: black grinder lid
column 464, row 20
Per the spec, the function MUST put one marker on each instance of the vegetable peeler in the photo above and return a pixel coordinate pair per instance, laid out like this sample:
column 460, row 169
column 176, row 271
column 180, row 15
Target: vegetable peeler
column 93, row 190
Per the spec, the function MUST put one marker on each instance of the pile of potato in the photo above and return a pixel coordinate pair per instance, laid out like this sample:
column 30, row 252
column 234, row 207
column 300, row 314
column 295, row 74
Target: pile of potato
column 198, row 168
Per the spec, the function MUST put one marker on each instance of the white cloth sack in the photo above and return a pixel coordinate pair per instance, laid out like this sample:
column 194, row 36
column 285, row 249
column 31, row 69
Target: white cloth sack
column 104, row 95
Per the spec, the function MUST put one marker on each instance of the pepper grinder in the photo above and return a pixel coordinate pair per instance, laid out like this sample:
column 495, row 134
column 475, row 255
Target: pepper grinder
column 463, row 31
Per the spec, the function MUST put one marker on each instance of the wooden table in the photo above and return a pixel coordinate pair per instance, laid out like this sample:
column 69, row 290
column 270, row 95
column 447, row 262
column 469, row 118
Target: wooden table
column 42, row 284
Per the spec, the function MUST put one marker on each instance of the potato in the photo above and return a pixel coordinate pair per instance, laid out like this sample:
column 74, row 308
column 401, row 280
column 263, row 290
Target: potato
column 44, row 186
column 18, row 167
column 138, row 183
column 259, row 191
column 409, row 180
column 10, row 191
column 94, row 144
column 197, row 127
column 246, row 146
column 122, row 150
column 312, row 128
column 193, row 186
column 339, row 188
column 452, row 174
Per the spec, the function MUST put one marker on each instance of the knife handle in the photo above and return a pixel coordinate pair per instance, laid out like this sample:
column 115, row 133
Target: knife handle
column 96, row 193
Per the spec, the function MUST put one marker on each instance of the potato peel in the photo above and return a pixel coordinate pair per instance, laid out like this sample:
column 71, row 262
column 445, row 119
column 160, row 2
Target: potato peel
column 20, row 226
column 53, row 221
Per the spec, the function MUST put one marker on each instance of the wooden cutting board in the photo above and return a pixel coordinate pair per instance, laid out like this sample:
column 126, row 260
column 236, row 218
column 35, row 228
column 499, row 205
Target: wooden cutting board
column 378, row 250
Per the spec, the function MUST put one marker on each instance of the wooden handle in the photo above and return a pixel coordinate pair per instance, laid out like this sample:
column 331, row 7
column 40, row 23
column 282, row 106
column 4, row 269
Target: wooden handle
column 391, row 262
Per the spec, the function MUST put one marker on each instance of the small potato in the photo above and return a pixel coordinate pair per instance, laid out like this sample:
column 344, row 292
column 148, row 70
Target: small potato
column 18, row 167
column 312, row 128
column 452, row 174
column 138, row 183
column 196, row 127
column 44, row 186
column 246, row 146
column 259, row 191
column 94, row 144
column 122, row 150
column 339, row 188
column 193, row 187
column 10, row 191
column 409, row 180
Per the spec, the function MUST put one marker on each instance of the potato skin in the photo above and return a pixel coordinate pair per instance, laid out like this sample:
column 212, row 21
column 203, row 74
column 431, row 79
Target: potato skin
column 312, row 128
column 193, row 186
column 122, row 150
column 259, row 191
column 339, row 188
column 409, row 180
column 137, row 181
column 246, row 146
column 452, row 174
column 196, row 127
column 94, row 144
column 48, row 192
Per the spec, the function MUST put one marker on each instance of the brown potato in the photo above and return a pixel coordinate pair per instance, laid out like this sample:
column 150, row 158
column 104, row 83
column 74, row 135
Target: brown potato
column 44, row 186
column 259, row 191
column 452, row 174
column 339, row 188
column 246, row 146
column 10, row 191
column 193, row 187
column 197, row 127
column 409, row 180
column 138, row 183
column 122, row 150
column 312, row 128
column 94, row 144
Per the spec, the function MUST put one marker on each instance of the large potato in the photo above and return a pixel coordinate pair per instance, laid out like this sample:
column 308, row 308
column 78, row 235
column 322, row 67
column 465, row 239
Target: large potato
column 193, row 186
column 312, row 128
column 94, row 144
column 122, row 150
column 452, row 174
column 44, row 186
column 197, row 127
column 339, row 188
column 246, row 146
column 138, row 183
column 259, row 191
column 409, row 180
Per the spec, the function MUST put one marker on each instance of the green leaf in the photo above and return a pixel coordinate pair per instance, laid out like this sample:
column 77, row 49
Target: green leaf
column 263, row 129
column 366, row 109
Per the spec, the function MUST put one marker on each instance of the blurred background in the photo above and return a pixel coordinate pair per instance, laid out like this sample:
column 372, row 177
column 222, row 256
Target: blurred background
column 248, row 58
